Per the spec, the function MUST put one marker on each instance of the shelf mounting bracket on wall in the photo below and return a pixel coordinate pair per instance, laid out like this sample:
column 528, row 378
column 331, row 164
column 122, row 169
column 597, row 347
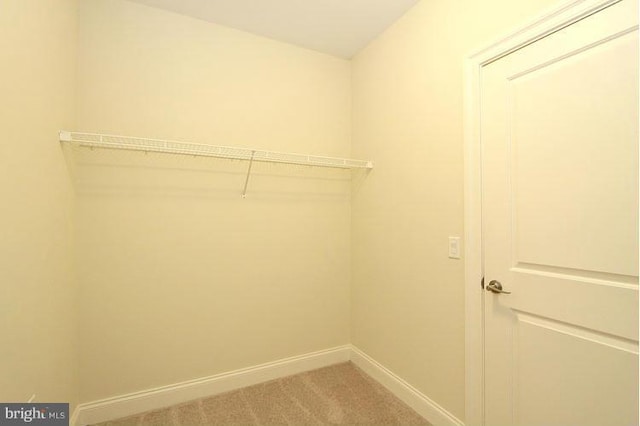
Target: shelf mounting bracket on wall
column 246, row 181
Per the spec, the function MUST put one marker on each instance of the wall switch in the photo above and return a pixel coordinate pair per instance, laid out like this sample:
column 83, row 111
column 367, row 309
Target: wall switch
column 454, row 247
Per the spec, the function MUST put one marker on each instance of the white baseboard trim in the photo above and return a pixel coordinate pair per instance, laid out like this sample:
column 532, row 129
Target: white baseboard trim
column 422, row 404
column 152, row 399
column 73, row 420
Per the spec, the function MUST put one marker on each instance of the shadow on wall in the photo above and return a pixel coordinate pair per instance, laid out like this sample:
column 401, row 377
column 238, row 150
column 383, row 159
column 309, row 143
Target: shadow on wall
column 104, row 172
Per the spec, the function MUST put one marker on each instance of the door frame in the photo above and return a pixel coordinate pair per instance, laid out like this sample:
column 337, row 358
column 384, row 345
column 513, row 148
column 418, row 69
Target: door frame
column 548, row 22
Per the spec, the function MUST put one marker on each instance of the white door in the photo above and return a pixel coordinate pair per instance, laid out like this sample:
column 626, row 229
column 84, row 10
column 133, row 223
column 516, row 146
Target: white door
column 559, row 134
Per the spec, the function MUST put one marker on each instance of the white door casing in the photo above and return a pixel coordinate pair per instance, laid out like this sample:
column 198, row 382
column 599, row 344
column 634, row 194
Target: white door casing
column 557, row 136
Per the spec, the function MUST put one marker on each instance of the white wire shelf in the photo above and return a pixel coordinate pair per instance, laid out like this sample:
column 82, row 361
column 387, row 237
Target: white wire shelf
column 95, row 140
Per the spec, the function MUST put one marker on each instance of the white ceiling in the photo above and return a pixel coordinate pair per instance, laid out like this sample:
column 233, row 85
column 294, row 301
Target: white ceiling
column 336, row 27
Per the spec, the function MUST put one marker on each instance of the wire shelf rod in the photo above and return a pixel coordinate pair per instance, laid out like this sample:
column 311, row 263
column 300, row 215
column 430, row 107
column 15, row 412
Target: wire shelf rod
column 96, row 140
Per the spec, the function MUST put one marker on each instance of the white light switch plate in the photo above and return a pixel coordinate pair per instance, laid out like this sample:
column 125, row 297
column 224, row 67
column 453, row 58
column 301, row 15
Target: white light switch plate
column 454, row 247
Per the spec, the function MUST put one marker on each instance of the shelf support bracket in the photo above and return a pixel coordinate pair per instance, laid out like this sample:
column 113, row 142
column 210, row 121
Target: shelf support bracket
column 246, row 181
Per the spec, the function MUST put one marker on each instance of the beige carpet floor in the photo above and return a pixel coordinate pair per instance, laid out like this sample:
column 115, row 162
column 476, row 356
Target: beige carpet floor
column 341, row 394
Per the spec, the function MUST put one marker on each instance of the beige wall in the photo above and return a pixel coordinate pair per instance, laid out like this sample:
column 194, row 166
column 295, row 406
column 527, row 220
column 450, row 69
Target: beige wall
column 38, row 321
column 407, row 295
column 181, row 277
